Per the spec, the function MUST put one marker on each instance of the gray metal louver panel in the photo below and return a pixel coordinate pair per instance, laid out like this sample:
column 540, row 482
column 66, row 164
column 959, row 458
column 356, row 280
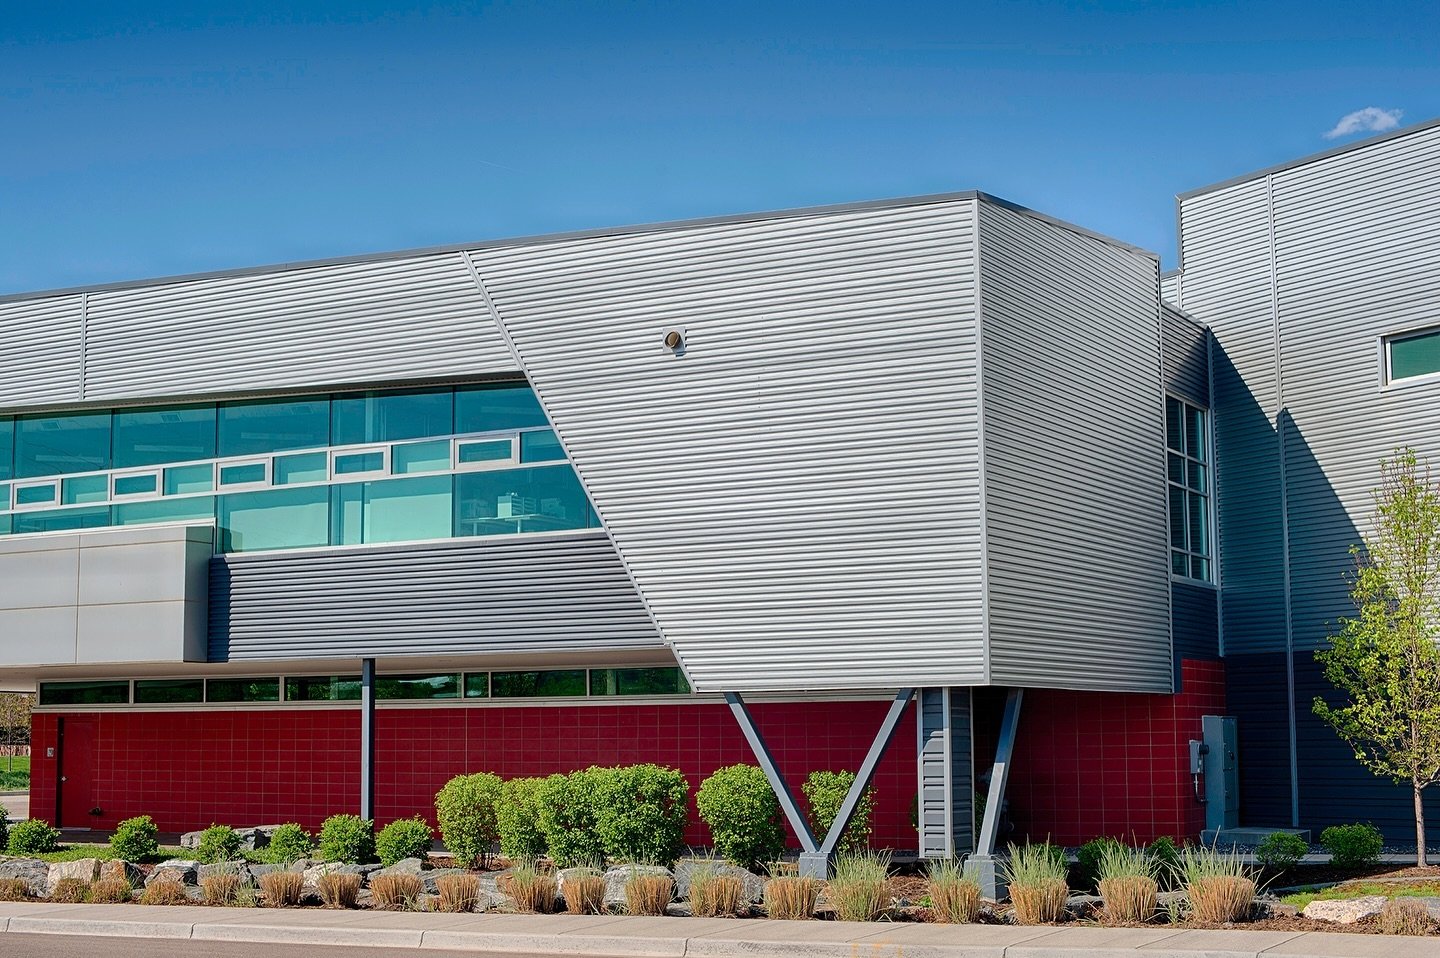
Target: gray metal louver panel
column 1187, row 357
column 946, row 780
column 552, row 594
column 797, row 494
column 1077, row 547
column 321, row 325
column 43, row 345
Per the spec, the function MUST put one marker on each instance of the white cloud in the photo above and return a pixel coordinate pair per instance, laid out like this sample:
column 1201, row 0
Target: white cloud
column 1372, row 119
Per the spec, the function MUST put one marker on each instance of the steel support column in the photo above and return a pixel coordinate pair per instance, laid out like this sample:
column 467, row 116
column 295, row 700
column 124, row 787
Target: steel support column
column 984, row 857
column 367, row 739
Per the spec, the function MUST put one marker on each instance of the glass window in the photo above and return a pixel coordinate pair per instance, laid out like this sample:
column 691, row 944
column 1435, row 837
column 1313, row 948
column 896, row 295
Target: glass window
column 168, row 691
column 242, row 474
column 148, row 437
column 477, row 685
column 57, row 445
column 35, row 495
column 141, row 485
column 1417, row 354
column 84, row 693
column 274, row 519
column 302, row 467
column 359, row 463
column 191, row 508
column 256, row 428
column 322, row 688
column 540, row 447
column 433, row 456
column 84, row 489
column 658, row 681
column 418, row 686
column 1187, row 440
column 242, row 690
column 4, row 496
column 485, row 450
column 387, row 416
column 558, row 683
column 182, row 479
column 62, row 520
column 492, row 406
column 392, row 510
column 7, row 447
column 520, row 500
column 5, row 525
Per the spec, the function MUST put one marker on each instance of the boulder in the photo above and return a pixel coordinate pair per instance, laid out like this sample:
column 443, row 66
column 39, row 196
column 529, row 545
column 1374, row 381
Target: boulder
column 300, row 865
column 35, row 872
column 1345, row 911
column 117, row 868
column 190, row 840
column 85, row 869
column 492, row 898
column 432, row 878
column 405, row 866
column 753, row 884
column 616, row 878
column 238, row 867
column 184, row 870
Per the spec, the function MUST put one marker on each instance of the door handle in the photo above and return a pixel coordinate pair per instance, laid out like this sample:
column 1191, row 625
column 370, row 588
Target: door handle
column 64, row 779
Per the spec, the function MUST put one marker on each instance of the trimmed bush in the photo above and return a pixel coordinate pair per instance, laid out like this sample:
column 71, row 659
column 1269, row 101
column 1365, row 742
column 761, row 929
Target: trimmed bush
column 289, row 843
column 743, row 815
column 641, row 811
column 1281, row 850
column 517, row 818
column 404, row 838
column 1352, row 846
column 1166, row 855
column 567, row 817
column 33, row 836
column 1088, row 856
column 218, row 843
column 134, row 839
column 347, row 838
column 826, row 791
column 465, row 810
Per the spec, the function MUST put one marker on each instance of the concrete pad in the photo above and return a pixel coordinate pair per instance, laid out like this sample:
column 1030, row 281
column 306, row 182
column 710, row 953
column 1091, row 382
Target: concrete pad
column 278, row 916
column 819, row 939
column 1320, row 944
column 35, row 925
column 567, row 935
column 297, row 934
column 1216, row 944
column 1082, row 941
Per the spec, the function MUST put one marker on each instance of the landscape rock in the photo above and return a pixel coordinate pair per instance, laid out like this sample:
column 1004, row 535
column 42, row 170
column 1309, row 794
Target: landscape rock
column 257, row 869
column 616, row 878
column 405, row 866
column 492, row 898
column 238, row 867
column 85, row 869
column 432, row 878
column 118, row 868
column 301, row 864
column 1345, row 911
column 35, row 872
column 190, row 840
column 753, row 884
column 184, row 870
column 250, row 838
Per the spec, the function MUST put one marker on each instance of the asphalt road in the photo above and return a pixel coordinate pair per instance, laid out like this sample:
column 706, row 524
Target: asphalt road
column 78, row 946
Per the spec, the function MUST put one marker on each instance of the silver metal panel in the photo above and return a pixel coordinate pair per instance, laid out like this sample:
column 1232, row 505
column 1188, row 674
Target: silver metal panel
column 136, row 594
column 1187, row 356
column 296, row 328
column 796, row 493
column 565, row 593
column 1170, row 286
column 1077, row 547
column 946, row 780
column 43, row 344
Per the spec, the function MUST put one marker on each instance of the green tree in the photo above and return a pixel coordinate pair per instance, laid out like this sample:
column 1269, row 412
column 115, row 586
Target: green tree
column 15, row 722
column 1384, row 659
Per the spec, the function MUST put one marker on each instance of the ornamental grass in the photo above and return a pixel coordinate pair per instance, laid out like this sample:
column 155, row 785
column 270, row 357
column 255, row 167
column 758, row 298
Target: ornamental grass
column 220, row 888
column 954, row 893
column 1036, row 875
column 791, row 897
column 111, row 891
column 338, row 889
column 857, row 892
column 584, row 892
column 715, row 895
column 14, row 889
column 70, row 890
column 1127, row 884
column 164, row 891
column 397, row 892
column 1218, row 884
column 282, row 889
column 458, row 893
column 648, row 894
column 532, row 889
column 1405, row 916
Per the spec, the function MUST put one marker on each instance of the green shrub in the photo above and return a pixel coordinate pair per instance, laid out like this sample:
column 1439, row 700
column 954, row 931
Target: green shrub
column 743, row 814
column 465, row 809
column 517, row 817
column 33, row 836
column 1088, row 858
column 134, row 839
column 289, row 843
column 1281, row 850
column 568, row 806
column 405, row 838
column 826, row 791
column 347, row 838
column 218, row 843
column 641, row 813
column 1166, row 855
column 1352, row 846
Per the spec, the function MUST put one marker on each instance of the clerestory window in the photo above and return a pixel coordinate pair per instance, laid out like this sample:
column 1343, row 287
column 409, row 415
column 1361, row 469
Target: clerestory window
column 1187, row 438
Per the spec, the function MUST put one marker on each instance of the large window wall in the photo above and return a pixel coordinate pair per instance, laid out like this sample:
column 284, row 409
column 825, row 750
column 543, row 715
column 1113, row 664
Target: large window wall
column 299, row 472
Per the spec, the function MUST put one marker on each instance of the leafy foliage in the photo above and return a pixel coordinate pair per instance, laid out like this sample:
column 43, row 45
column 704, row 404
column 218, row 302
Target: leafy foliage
column 404, row 838
column 1281, row 850
column 517, row 816
column 1352, row 846
column 135, row 839
column 465, row 810
column 33, row 836
column 743, row 814
column 1088, row 858
column 347, row 838
column 289, row 843
column 569, row 807
column 826, row 791
column 641, row 813
column 1384, row 659
column 218, row 843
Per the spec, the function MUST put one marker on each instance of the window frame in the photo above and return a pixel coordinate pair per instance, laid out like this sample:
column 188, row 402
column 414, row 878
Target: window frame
column 1384, row 343
column 1208, row 465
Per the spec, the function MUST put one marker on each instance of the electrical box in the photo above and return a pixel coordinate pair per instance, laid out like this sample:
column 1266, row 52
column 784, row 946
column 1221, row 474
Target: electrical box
column 1222, row 772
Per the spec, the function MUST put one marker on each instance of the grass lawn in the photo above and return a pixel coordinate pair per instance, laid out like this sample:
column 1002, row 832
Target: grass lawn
column 1362, row 889
column 70, row 853
column 16, row 778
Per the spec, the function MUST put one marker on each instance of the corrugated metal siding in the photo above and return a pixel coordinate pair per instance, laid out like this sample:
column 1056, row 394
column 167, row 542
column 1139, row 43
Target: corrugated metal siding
column 355, row 322
column 1170, row 286
column 1187, row 357
column 1195, row 613
column 797, row 496
column 947, row 788
column 1077, row 548
column 558, row 594
column 1226, row 251
column 43, row 344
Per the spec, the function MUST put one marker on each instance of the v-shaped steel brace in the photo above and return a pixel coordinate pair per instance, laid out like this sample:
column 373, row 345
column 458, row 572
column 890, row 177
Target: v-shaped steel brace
column 816, row 855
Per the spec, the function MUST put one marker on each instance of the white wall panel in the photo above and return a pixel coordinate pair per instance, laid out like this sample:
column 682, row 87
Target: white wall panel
column 42, row 350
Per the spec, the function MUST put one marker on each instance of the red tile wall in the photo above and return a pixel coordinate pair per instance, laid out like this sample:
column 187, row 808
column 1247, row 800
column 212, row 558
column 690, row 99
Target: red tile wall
column 1089, row 764
column 189, row 769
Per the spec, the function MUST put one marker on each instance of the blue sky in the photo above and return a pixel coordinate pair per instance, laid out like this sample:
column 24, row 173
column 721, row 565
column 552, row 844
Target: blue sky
column 151, row 139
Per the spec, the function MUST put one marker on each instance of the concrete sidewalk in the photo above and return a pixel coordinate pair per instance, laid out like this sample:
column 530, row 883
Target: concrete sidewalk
column 683, row 937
